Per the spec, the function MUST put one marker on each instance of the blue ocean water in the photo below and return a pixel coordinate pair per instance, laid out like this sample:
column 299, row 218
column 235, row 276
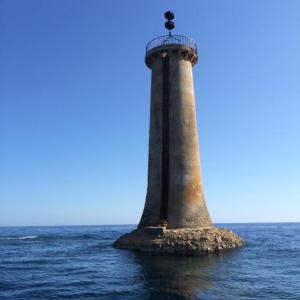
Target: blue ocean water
column 79, row 262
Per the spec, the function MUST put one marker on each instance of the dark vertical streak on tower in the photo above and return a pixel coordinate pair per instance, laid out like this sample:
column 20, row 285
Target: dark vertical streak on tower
column 165, row 142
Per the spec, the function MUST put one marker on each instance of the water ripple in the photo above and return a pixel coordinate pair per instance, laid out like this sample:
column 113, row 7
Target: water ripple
column 80, row 263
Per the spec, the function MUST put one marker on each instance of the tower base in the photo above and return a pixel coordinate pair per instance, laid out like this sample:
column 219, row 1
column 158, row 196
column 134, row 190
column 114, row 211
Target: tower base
column 185, row 242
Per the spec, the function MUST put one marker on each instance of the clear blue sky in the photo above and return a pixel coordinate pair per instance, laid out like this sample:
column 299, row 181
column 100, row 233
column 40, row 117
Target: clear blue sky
column 74, row 108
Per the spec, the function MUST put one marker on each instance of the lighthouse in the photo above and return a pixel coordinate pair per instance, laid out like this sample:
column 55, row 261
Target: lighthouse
column 175, row 194
column 175, row 212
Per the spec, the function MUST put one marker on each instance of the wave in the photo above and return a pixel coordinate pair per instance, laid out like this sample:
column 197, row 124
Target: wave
column 29, row 237
column 68, row 237
column 47, row 237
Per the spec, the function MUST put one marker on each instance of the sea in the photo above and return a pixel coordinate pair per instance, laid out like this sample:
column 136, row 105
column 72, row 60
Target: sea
column 79, row 262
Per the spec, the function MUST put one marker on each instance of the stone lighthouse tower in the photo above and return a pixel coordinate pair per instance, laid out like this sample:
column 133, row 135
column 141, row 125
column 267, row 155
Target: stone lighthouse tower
column 175, row 212
column 175, row 195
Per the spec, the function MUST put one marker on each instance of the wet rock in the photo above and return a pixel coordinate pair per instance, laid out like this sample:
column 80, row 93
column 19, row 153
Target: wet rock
column 189, row 241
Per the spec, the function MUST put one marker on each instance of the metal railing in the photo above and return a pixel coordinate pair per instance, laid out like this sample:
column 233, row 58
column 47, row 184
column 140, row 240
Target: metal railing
column 171, row 40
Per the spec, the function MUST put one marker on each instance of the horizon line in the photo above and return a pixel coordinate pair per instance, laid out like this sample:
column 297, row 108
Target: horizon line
column 128, row 224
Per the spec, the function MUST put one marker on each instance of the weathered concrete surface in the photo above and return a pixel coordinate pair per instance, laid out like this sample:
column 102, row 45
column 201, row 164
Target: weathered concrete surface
column 186, row 202
column 185, row 242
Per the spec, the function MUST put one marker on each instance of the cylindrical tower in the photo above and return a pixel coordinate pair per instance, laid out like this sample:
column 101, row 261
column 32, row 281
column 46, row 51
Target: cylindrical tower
column 174, row 195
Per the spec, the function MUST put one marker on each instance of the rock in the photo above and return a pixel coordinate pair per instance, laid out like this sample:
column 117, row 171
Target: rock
column 188, row 241
column 156, row 230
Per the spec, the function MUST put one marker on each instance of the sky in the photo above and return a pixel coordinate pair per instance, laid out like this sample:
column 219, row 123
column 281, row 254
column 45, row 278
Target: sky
column 75, row 96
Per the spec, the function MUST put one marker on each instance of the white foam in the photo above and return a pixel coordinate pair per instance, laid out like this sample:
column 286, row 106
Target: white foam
column 27, row 237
